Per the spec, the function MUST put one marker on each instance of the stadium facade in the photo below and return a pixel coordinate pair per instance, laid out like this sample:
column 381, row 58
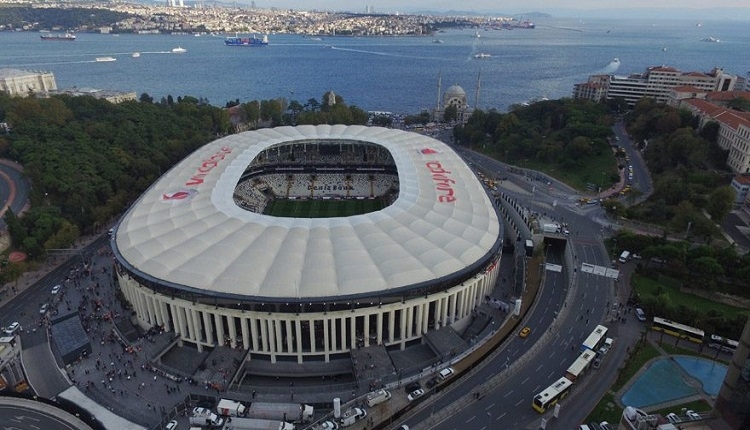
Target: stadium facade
column 198, row 254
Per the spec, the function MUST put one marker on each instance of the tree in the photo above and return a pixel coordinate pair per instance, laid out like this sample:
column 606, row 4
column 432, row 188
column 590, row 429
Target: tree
column 450, row 114
column 720, row 202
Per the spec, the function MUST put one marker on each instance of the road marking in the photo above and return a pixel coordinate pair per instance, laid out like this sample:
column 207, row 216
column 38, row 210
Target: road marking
column 508, row 393
column 540, row 367
column 502, row 415
column 524, row 381
column 469, row 420
column 550, row 374
column 490, row 407
column 519, row 402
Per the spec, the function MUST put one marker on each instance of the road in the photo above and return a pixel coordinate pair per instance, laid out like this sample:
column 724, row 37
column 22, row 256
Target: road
column 14, row 189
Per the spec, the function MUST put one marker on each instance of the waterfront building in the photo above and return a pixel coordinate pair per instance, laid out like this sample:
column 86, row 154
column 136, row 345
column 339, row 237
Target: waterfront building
column 198, row 255
column 656, row 82
column 109, row 95
column 453, row 96
column 24, row 83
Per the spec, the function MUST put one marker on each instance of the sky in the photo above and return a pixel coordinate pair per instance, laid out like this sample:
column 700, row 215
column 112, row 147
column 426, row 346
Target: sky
column 566, row 7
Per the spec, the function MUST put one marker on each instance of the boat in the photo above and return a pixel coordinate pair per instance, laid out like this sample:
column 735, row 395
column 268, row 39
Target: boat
column 179, row 50
column 482, row 55
column 616, row 61
column 136, row 54
column 246, row 41
column 65, row 37
column 437, row 41
column 477, row 35
column 316, row 38
column 710, row 39
column 105, row 59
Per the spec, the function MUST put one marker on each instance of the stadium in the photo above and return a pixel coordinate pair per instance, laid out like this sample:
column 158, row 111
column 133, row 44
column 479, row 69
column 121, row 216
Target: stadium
column 306, row 243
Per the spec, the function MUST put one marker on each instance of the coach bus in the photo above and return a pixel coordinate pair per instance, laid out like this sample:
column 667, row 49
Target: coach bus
column 579, row 366
column 595, row 339
column 723, row 344
column 679, row 330
column 553, row 394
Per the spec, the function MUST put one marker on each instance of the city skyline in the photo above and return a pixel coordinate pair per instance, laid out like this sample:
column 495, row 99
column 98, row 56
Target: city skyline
column 734, row 9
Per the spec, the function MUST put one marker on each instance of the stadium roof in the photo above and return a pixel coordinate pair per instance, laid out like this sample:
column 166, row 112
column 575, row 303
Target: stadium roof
column 187, row 232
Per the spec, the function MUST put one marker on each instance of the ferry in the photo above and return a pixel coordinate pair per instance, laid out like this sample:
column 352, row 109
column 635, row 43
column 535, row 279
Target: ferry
column 246, row 41
column 179, row 50
column 482, row 55
column 66, row 37
column 105, row 59
column 136, row 54
column 616, row 61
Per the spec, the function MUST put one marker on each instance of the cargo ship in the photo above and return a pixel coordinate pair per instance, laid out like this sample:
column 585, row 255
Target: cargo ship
column 67, row 36
column 246, row 41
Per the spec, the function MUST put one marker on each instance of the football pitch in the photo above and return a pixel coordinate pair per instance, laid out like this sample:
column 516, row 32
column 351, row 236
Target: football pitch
column 322, row 208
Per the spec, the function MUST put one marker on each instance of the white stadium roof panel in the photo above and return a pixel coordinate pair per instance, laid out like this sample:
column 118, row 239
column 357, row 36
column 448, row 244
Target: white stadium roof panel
column 186, row 230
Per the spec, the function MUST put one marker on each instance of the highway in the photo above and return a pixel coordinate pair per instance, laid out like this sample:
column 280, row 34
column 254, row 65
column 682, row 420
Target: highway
column 525, row 367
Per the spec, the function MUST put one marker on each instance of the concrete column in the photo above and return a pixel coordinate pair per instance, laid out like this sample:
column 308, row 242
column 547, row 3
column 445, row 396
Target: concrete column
column 264, row 334
column 219, row 322
column 298, row 338
column 197, row 332
column 418, row 322
column 410, row 321
column 353, row 332
column 232, row 323
column 245, row 334
column 452, row 314
column 367, row 330
column 334, row 337
column 402, row 315
column 326, row 343
column 425, row 317
column 255, row 343
column 311, row 324
column 380, row 327
column 437, row 313
column 391, row 326
column 289, row 336
column 208, row 328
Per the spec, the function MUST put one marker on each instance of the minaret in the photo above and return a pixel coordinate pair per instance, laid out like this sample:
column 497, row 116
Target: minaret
column 440, row 84
column 479, row 85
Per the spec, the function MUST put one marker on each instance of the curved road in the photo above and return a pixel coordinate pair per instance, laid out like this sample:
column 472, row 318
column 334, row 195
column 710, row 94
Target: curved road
column 14, row 189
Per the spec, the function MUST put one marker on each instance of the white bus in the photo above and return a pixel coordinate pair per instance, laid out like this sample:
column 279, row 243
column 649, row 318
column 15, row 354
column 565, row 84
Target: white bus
column 595, row 339
column 553, row 394
column 723, row 344
column 579, row 366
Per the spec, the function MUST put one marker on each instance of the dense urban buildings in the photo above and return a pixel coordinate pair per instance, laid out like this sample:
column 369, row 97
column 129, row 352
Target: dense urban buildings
column 199, row 254
column 656, row 82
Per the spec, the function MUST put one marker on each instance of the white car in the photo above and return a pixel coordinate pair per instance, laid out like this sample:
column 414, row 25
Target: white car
column 56, row 289
column 673, row 418
column 414, row 395
column 693, row 415
column 172, row 425
column 12, row 328
column 329, row 425
column 44, row 308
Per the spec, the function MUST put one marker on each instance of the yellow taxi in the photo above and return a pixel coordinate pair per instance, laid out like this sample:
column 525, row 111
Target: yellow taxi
column 524, row 332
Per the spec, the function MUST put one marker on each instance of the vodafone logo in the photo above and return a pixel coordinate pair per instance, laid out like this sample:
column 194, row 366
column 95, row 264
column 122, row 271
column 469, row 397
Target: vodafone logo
column 180, row 196
column 428, row 151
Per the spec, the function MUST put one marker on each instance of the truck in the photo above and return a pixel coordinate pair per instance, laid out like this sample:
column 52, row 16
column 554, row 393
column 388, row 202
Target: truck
column 377, row 397
column 204, row 417
column 293, row 412
column 230, row 408
column 550, row 228
column 235, row 423
column 351, row 416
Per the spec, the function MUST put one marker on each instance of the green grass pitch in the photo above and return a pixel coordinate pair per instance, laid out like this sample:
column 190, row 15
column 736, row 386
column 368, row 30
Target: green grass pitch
column 321, row 208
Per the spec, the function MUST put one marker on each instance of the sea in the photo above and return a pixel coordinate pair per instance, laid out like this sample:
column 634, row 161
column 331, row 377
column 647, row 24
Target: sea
column 403, row 75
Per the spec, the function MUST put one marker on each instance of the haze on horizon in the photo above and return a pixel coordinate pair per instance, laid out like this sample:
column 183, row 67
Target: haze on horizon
column 614, row 8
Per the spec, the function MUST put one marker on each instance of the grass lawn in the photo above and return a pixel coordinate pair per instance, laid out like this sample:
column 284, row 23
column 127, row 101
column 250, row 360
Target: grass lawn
column 647, row 287
column 695, row 405
column 322, row 208
column 606, row 410
column 579, row 176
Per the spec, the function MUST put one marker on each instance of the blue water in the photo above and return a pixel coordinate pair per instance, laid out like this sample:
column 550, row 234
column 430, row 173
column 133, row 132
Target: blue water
column 396, row 74
column 709, row 372
column 663, row 382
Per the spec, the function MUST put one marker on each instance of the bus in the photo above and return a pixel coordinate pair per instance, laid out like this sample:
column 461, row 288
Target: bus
column 679, row 330
column 595, row 339
column 723, row 344
column 579, row 366
column 553, row 394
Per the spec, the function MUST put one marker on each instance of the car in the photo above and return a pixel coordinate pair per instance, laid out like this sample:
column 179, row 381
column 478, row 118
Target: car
column 693, row 415
column 172, row 425
column 414, row 395
column 403, row 427
column 412, row 386
column 605, row 425
column 673, row 418
column 640, row 314
column 12, row 328
column 329, row 425
column 597, row 361
column 524, row 332
column 56, row 289
column 432, row 382
column 446, row 373
column 44, row 308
